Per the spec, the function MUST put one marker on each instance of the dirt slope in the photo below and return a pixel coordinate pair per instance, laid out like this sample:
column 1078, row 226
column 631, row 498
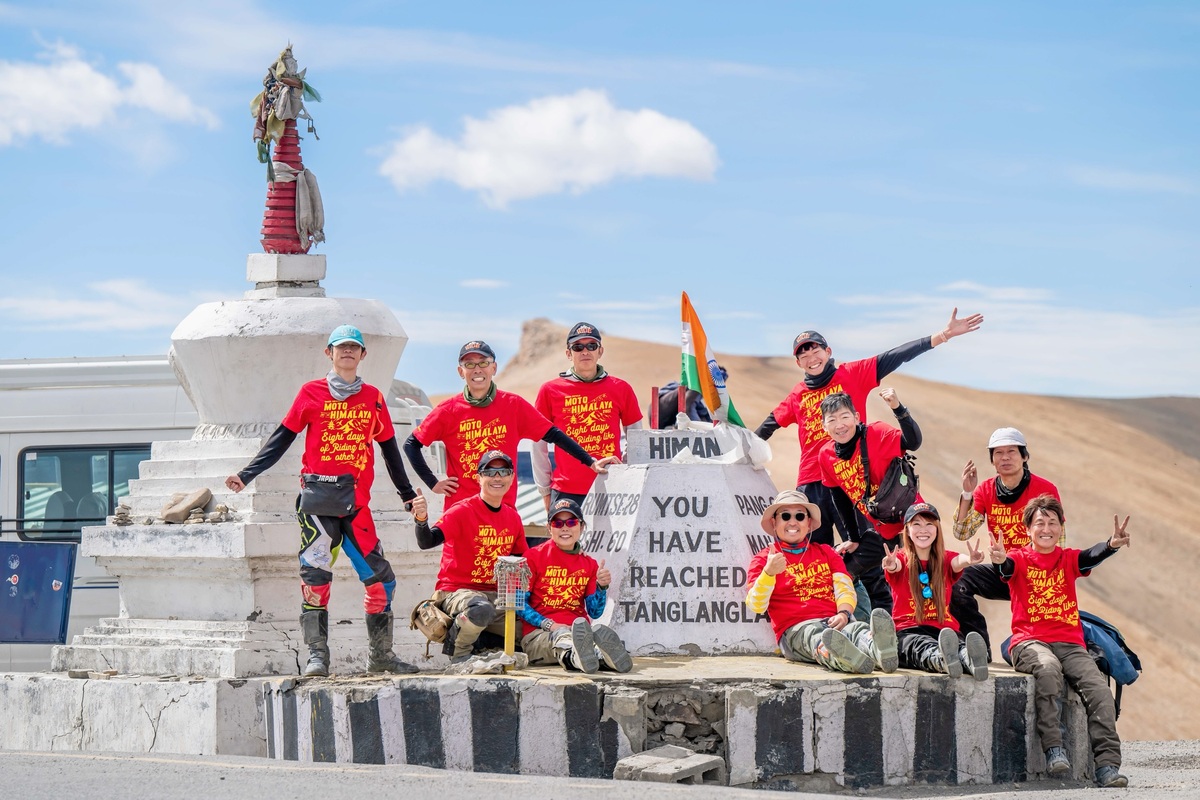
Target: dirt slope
column 1106, row 456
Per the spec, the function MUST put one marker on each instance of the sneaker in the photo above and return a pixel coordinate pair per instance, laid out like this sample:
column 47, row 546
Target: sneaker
column 1057, row 763
column 883, row 635
column 976, row 658
column 1110, row 777
column 611, row 649
column 948, row 649
column 843, row 652
column 583, row 646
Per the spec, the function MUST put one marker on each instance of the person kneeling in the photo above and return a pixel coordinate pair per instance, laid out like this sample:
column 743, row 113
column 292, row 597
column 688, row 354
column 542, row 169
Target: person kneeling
column 929, row 636
column 805, row 589
column 567, row 587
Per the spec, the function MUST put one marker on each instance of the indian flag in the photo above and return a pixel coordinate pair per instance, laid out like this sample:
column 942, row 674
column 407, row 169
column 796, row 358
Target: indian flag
column 700, row 372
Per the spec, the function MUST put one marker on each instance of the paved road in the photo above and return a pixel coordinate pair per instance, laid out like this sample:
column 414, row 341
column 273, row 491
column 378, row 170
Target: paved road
column 1155, row 769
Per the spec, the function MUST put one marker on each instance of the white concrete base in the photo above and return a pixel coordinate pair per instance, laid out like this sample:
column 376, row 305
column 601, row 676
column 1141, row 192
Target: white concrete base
column 132, row 715
column 273, row 268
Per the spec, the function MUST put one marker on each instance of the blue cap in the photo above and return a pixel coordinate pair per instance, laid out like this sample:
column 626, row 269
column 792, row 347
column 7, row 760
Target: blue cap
column 346, row 333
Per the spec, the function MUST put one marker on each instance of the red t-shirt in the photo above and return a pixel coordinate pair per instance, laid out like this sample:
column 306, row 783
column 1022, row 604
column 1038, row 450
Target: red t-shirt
column 470, row 431
column 803, row 407
column 475, row 537
column 341, row 433
column 1044, row 606
column 883, row 445
column 804, row 589
column 560, row 583
column 1003, row 520
column 904, row 608
column 591, row 414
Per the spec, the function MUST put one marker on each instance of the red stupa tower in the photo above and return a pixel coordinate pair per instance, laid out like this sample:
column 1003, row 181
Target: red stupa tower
column 279, row 220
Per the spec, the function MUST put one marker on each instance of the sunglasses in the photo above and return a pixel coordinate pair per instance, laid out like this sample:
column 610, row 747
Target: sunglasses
column 496, row 472
column 786, row 516
column 926, row 592
column 569, row 522
column 579, row 347
column 487, row 362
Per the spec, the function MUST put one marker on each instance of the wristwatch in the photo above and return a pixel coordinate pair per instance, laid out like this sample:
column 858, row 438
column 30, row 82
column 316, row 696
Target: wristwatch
column 547, row 625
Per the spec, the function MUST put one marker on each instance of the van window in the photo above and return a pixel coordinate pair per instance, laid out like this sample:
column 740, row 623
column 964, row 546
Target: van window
column 62, row 489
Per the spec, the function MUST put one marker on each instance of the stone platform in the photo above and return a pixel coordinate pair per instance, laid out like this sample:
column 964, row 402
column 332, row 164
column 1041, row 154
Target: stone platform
column 777, row 725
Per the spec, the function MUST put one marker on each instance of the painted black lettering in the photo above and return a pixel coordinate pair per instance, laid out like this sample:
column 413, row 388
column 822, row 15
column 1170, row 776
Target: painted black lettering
column 712, row 541
column 662, row 505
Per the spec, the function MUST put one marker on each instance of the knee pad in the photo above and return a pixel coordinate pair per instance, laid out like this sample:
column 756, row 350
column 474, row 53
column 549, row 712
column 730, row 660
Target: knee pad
column 480, row 612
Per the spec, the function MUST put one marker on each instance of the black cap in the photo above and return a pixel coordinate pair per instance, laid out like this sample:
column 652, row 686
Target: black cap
column 920, row 509
column 477, row 346
column 583, row 330
column 805, row 338
column 492, row 455
column 568, row 505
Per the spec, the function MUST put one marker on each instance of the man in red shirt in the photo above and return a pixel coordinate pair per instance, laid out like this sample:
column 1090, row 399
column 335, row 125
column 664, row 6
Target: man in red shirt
column 823, row 377
column 1047, row 640
column 841, row 464
column 473, row 534
column 344, row 417
column 483, row 418
column 1000, row 501
column 590, row 406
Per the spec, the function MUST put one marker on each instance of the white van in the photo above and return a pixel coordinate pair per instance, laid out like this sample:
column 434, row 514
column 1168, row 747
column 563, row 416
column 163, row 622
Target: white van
column 72, row 434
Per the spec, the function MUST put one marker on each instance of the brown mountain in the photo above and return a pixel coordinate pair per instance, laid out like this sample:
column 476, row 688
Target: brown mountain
column 1107, row 457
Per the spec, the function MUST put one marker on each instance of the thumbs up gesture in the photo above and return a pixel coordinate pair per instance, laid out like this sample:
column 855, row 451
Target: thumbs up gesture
column 603, row 576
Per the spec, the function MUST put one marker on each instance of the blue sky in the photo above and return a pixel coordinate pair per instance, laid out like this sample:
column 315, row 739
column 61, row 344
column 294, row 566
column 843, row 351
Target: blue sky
column 855, row 168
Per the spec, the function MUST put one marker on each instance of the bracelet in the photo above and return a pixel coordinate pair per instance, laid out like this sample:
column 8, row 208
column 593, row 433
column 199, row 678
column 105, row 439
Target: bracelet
column 420, row 520
column 844, row 611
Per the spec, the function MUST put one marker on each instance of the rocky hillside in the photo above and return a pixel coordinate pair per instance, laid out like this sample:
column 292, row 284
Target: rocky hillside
column 1108, row 457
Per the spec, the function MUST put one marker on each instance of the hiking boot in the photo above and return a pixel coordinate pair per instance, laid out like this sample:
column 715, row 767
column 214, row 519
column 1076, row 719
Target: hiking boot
column 975, row 657
column 314, row 625
column 583, row 647
column 379, row 637
column 1057, row 763
column 883, row 636
column 843, row 651
column 948, row 652
column 1110, row 777
column 611, row 649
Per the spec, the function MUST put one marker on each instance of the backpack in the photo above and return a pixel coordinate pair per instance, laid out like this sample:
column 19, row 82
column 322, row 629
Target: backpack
column 898, row 489
column 1105, row 644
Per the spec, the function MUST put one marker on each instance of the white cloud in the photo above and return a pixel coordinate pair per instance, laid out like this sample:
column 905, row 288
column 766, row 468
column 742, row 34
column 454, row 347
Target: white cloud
column 1126, row 181
column 482, row 283
column 113, row 305
column 48, row 99
column 565, row 143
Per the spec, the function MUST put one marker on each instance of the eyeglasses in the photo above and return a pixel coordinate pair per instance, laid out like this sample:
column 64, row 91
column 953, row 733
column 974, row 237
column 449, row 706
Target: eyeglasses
column 569, row 522
column 579, row 347
column 496, row 472
column 786, row 516
column 487, row 362
column 926, row 592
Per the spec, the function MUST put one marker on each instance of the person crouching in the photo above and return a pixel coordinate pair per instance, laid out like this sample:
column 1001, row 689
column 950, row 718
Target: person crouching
column 567, row 587
column 805, row 589
column 928, row 633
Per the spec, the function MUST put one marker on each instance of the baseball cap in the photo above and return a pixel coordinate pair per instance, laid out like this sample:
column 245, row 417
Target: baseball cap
column 568, row 505
column 492, row 455
column 583, row 330
column 346, row 333
column 921, row 508
column 482, row 348
column 1007, row 436
column 806, row 337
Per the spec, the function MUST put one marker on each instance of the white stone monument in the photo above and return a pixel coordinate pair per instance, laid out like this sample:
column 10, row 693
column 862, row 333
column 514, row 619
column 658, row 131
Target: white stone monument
column 678, row 538
column 222, row 600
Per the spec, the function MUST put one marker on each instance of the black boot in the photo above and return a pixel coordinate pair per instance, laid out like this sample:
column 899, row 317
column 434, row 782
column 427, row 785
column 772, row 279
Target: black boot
column 314, row 624
column 379, row 636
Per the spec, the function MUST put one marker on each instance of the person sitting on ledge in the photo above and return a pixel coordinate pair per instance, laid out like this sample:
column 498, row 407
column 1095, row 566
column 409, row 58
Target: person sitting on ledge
column 804, row 588
column 567, row 587
column 917, row 567
column 473, row 534
column 1047, row 640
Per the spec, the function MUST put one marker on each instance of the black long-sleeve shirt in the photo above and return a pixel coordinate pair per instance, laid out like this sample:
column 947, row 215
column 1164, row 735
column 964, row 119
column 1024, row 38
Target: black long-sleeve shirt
column 886, row 363
column 279, row 442
column 430, row 536
column 555, row 436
